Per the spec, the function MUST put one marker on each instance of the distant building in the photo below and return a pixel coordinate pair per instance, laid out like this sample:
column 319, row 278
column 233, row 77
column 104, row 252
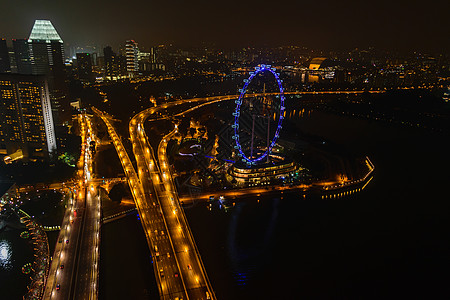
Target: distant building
column 84, row 67
column 23, row 56
column 132, row 55
column 109, row 58
column 145, row 61
column 316, row 63
column 115, row 65
column 26, row 122
column 76, row 104
column 5, row 64
column 152, row 56
column 12, row 60
column 91, row 49
column 47, row 56
column 148, row 63
column 321, row 69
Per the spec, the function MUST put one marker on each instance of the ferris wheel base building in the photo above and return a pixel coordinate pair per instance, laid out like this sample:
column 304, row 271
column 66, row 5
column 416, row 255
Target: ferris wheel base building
column 278, row 169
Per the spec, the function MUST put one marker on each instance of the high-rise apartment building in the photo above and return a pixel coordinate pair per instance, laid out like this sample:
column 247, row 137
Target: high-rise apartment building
column 132, row 55
column 26, row 122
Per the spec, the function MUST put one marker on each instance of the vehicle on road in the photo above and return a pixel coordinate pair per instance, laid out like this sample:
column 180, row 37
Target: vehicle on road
column 58, row 286
column 189, row 267
column 61, row 267
column 67, row 241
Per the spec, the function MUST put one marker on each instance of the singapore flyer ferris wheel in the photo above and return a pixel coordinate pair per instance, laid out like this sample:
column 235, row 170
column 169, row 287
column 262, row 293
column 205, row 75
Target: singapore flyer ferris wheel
column 258, row 115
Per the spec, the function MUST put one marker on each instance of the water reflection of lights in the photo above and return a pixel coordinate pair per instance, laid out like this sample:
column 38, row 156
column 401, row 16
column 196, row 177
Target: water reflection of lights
column 5, row 254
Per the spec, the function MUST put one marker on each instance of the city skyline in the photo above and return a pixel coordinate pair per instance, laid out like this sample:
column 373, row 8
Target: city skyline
column 235, row 150
column 399, row 26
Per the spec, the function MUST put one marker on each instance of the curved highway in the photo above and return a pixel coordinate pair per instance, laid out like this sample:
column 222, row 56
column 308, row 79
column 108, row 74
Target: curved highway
column 182, row 266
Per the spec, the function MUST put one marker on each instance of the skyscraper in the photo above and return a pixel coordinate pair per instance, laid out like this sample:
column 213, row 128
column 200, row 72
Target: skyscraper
column 47, row 55
column 84, row 66
column 26, row 121
column 115, row 65
column 132, row 54
column 109, row 57
column 46, row 46
column 5, row 65
column 22, row 55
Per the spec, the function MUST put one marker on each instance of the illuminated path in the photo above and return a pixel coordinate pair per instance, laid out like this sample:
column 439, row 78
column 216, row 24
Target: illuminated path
column 85, row 283
column 177, row 266
column 74, row 270
column 165, row 264
column 175, row 277
column 186, row 266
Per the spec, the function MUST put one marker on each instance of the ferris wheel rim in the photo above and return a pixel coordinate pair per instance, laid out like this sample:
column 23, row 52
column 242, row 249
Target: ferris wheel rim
column 243, row 91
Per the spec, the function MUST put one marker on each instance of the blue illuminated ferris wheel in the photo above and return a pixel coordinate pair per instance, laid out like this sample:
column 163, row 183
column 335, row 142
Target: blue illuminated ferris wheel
column 248, row 148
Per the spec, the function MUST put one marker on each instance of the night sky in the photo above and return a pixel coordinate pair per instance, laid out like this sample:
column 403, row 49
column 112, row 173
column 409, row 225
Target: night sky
column 325, row 24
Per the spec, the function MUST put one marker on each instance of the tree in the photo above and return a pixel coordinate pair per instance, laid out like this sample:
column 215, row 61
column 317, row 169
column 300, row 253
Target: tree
column 117, row 192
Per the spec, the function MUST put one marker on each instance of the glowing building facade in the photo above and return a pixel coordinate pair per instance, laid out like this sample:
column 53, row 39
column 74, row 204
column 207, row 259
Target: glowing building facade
column 132, row 55
column 26, row 123
column 47, row 47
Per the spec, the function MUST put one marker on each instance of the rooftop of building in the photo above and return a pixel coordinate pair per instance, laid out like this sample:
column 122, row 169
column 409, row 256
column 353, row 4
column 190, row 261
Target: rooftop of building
column 43, row 30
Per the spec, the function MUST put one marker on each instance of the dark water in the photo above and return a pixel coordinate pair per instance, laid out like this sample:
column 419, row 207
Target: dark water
column 4, row 186
column 390, row 241
column 14, row 253
column 125, row 264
